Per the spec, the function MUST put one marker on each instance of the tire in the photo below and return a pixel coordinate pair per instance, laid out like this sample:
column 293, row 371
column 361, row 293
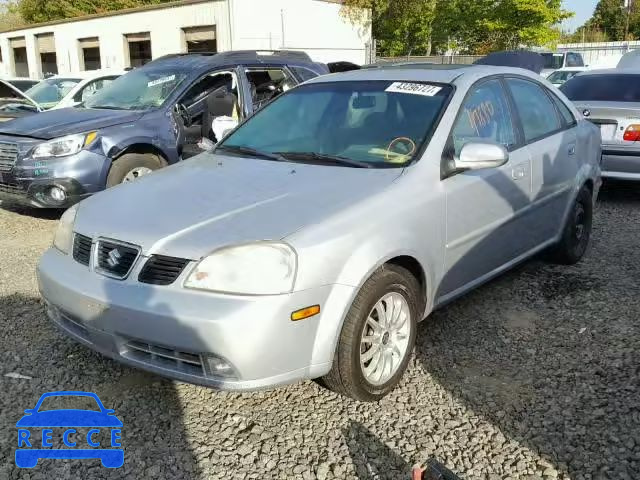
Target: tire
column 577, row 231
column 128, row 163
column 347, row 376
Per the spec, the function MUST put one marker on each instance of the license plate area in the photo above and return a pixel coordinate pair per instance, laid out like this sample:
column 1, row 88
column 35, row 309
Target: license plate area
column 608, row 129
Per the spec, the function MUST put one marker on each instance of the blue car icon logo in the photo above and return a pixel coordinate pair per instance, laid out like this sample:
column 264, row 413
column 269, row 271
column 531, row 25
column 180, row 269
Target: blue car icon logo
column 36, row 431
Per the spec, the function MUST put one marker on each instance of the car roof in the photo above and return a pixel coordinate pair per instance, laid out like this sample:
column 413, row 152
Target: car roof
column 90, row 74
column 612, row 71
column 204, row 60
column 424, row 73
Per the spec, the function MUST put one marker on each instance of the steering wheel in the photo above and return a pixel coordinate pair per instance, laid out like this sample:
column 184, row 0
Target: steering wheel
column 183, row 111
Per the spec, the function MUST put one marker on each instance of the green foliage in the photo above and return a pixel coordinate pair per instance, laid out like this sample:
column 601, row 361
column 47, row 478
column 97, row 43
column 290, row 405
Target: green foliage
column 405, row 27
column 402, row 27
column 609, row 23
column 36, row 11
column 9, row 17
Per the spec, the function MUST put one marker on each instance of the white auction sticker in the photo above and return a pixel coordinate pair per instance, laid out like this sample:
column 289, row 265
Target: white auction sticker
column 162, row 80
column 414, row 88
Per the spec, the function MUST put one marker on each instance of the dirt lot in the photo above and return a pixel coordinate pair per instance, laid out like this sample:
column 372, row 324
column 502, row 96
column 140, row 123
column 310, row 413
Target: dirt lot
column 536, row 375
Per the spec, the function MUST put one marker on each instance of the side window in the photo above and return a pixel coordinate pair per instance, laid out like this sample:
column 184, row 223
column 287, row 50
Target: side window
column 567, row 116
column 91, row 88
column 535, row 108
column 484, row 115
column 206, row 86
column 267, row 83
column 574, row 60
column 304, row 74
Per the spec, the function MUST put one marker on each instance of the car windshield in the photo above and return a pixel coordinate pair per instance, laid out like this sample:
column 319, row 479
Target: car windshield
column 69, row 402
column 355, row 124
column 49, row 92
column 561, row 76
column 553, row 60
column 603, row 88
column 137, row 90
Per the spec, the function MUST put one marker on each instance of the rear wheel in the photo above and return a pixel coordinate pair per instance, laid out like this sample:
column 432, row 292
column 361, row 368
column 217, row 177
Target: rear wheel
column 131, row 166
column 377, row 337
column 577, row 230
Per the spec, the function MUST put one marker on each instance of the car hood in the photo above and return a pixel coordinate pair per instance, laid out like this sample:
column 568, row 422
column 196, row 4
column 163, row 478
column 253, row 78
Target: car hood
column 66, row 121
column 190, row 209
column 69, row 418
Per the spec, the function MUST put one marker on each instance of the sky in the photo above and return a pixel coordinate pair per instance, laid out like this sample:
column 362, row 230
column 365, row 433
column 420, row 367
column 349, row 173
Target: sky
column 583, row 10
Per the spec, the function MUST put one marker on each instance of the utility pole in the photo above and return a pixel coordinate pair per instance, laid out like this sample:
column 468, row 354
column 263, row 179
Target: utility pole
column 627, row 6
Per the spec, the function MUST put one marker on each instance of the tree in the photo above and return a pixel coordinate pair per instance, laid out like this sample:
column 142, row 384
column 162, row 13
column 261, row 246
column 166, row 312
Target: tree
column 9, row 17
column 36, row 11
column 468, row 26
column 402, row 27
column 609, row 17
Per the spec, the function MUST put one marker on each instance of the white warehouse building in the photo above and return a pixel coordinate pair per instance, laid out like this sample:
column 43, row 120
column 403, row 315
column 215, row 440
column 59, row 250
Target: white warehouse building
column 133, row 37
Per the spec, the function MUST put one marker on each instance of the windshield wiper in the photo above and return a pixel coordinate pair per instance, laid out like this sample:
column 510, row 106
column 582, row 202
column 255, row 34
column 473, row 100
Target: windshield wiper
column 105, row 107
column 322, row 157
column 252, row 152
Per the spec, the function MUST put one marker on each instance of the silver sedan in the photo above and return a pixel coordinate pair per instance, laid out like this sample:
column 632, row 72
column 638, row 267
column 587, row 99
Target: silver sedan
column 320, row 232
column 611, row 100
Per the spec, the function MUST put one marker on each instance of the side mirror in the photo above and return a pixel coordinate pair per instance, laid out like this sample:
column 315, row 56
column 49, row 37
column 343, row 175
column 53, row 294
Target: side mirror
column 29, row 411
column 110, row 411
column 478, row 155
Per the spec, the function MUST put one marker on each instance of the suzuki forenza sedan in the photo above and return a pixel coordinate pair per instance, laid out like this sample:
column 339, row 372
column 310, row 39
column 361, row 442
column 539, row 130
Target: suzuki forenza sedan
column 317, row 235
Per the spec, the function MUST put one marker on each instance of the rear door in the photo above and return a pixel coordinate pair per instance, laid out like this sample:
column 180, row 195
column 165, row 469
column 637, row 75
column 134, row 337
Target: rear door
column 552, row 144
column 485, row 222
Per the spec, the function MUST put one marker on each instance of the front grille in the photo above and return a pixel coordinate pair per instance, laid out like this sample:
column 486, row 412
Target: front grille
column 82, row 249
column 8, row 156
column 164, row 357
column 115, row 259
column 160, row 270
column 11, row 188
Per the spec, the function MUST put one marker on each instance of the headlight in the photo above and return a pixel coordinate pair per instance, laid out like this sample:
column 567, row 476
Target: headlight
column 61, row 147
column 263, row 268
column 64, row 234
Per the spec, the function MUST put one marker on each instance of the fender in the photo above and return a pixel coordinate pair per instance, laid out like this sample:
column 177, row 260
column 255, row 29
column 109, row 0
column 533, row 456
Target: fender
column 357, row 270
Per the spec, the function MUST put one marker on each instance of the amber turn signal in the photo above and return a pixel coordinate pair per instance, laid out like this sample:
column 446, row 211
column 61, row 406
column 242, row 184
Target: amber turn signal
column 305, row 313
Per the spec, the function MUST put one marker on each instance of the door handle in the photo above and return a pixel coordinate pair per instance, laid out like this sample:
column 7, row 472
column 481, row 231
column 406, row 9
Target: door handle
column 572, row 149
column 518, row 173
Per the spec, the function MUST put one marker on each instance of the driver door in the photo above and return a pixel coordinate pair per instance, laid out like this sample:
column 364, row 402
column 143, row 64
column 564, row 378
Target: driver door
column 191, row 109
column 485, row 209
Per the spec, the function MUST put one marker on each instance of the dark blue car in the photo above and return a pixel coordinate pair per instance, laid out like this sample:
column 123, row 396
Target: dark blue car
column 151, row 117
column 35, row 429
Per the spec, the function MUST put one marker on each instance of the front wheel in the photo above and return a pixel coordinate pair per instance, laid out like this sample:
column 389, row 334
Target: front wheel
column 377, row 337
column 576, row 234
column 131, row 166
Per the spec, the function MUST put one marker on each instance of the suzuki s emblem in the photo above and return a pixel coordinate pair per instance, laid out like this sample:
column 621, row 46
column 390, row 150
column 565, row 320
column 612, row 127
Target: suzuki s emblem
column 114, row 258
column 586, row 112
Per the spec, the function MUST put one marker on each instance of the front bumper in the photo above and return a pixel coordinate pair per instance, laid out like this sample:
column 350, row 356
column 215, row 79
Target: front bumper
column 79, row 176
column 182, row 330
column 621, row 163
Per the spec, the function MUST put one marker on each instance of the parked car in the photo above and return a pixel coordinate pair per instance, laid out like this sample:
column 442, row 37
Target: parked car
column 611, row 100
column 57, row 92
column 21, row 83
column 324, row 228
column 562, row 75
column 630, row 59
column 556, row 60
column 11, row 95
column 149, row 118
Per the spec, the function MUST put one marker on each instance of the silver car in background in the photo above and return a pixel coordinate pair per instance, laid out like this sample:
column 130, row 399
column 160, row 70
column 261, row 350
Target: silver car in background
column 611, row 100
column 321, row 231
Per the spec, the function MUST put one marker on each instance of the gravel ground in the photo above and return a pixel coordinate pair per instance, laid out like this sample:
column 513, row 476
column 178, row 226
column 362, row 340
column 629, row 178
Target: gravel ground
column 535, row 375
